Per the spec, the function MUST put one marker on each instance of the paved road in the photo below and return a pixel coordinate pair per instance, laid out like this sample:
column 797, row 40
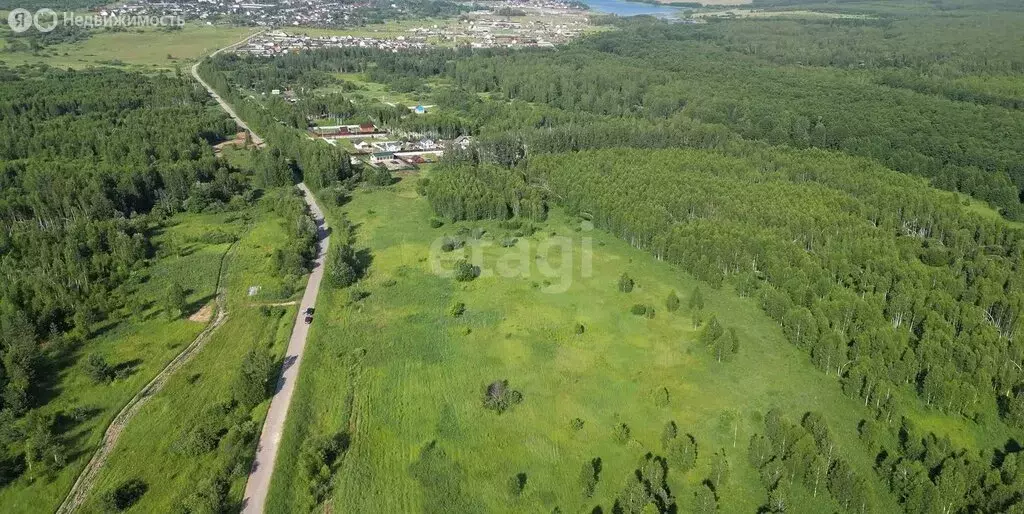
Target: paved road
column 258, row 484
column 266, row 453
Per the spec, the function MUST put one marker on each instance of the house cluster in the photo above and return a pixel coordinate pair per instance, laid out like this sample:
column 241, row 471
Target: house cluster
column 307, row 13
column 278, row 42
column 533, row 24
column 348, row 131
column 394, row 154
column 262, row 13
column 250, row 12
column 484, row 32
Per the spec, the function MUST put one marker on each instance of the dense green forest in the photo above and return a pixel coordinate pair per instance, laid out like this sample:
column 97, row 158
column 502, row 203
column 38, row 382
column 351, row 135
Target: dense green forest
column 927, row 95
column 91, row 162
column 901, row 7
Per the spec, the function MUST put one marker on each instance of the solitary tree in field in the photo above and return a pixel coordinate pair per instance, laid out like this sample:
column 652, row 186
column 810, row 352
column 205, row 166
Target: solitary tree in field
column 124, row 495
column 696, row 300
column 704, row 500
column 672, row 302
column 590, row 475
column 712, row 333
column 516, row 484
column 719, row 470
column 625, row 283
column 175, row 301
column 727, row 345
column 682, row 452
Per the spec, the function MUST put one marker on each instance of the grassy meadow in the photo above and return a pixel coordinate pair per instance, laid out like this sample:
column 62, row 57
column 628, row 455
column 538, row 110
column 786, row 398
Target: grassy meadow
column 145, row 450
column 141, row 49
column 405, row 379
column 372, row 90
column 139, row 341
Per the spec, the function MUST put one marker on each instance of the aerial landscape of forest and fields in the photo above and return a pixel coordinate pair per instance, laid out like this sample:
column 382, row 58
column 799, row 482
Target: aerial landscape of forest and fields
column 551, row 256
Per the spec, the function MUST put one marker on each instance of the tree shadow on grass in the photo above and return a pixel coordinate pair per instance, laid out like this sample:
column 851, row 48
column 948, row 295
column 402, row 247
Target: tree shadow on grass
column 364, row 258
column 194, row 307
column 68, row 420
column 127, row 368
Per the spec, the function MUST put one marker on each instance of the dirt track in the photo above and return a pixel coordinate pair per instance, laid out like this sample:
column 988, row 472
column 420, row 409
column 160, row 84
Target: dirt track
column 83, row 485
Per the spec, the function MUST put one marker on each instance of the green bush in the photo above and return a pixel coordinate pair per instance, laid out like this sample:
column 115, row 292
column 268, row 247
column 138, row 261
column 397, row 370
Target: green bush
column 696, row 300
column 196, row 441
column 516, row 484
column 378, row 177
column 499, row 397
column 124, row 495
column 343, row 269
column 98, row 370
column 357, row 295
column 319, row 458
column 456, row 309
column 465, row 272
column 661, row 397
column 590, row 475
column 640, row 309
column 253, row 379
column 621, row 433
column 452, row 243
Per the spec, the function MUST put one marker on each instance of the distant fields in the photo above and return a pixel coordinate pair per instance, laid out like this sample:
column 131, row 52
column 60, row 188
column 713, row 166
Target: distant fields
column 141, row 48
column 145, row 450
column 143, row 341
column 405, row 379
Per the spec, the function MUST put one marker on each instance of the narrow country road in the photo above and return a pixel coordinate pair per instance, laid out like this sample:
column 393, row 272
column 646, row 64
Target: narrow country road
column 270, row 438
column 258, row 484
column 256, row 140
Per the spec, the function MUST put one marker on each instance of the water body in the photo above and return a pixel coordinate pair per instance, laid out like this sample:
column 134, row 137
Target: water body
column 625, row 8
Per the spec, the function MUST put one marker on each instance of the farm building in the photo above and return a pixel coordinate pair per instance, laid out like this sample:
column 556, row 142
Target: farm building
column 380, row 157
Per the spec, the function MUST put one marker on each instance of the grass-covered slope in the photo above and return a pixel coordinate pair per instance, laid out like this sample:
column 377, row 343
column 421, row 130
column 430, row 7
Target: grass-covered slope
column 159, row 446
column 140, row 344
